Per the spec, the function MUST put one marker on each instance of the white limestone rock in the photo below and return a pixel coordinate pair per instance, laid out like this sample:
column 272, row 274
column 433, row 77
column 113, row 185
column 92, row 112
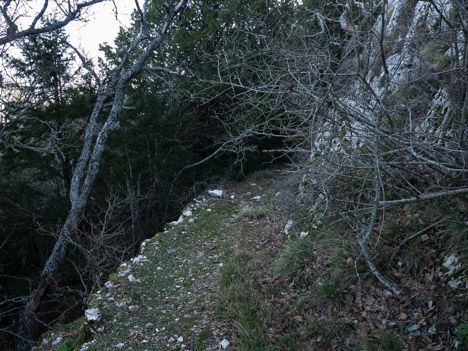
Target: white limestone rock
column 93, row 314
column 224, row 344
column 139, row 260
column 57, row 341
column 288, row 226
column 133, row 308
column 216, row 193
column 132, row 279
column 124, row 272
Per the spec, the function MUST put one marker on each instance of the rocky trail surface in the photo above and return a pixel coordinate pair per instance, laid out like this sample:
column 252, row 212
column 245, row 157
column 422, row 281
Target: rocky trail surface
column 166, row 298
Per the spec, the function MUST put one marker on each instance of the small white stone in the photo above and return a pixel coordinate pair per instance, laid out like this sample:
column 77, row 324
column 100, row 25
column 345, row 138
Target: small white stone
column 133, row 308
column 454, row 284
column 180, row 220
column 180, row 339
column 257, row 198
column 216, row 193
column 149, row 325
column 124, row 272
column 57, row 341
column 451, row 263
column 171, row 339
column 413, row 328
column 119, row 345
column 303, row 234
column 288, row 226
column 187, row 213
column 225, row 344
column 93, row 314
column 140, row 259
column 132, row 279
column 86, row 345
column 109, row 285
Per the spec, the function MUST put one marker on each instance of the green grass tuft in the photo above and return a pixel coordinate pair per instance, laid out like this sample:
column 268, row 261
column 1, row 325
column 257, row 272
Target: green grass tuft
column 295, row 259
column 388, row 341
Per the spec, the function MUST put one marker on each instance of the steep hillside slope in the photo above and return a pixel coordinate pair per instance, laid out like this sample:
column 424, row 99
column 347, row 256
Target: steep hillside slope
column 165, row 298
column 250, row 270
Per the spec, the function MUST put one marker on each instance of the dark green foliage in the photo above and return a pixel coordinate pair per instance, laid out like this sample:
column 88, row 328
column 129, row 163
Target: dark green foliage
column 67, row 345
column 44, row 65
column 462, row 333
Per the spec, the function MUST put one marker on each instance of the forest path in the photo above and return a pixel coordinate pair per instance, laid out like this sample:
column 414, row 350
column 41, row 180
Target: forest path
column 166, row 298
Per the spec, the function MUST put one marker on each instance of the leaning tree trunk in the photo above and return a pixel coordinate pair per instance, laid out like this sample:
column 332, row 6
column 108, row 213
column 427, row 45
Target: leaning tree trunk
column 89, row 162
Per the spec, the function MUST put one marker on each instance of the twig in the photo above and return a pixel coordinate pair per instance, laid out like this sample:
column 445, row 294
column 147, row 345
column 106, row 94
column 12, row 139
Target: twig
column 423, row 197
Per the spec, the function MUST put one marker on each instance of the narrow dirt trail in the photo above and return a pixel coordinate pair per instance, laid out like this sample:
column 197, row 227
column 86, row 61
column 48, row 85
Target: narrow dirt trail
column 166, row 298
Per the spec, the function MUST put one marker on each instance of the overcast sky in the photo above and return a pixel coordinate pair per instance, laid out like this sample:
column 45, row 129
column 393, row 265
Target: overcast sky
column 101, row 27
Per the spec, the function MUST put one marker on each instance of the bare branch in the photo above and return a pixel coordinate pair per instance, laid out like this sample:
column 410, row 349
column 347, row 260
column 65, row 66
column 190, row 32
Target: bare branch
column 86, row 64
column 424, row 197
column 32, row 30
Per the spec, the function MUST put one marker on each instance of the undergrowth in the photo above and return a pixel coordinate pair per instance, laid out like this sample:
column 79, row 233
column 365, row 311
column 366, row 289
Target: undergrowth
column 319, row 292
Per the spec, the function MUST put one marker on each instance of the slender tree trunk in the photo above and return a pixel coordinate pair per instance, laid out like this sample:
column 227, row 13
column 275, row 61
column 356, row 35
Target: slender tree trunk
column 88, row 165
column 28, row 317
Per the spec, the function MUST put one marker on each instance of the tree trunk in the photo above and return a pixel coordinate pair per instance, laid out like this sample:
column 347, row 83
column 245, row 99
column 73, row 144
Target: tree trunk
column 88, row 164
